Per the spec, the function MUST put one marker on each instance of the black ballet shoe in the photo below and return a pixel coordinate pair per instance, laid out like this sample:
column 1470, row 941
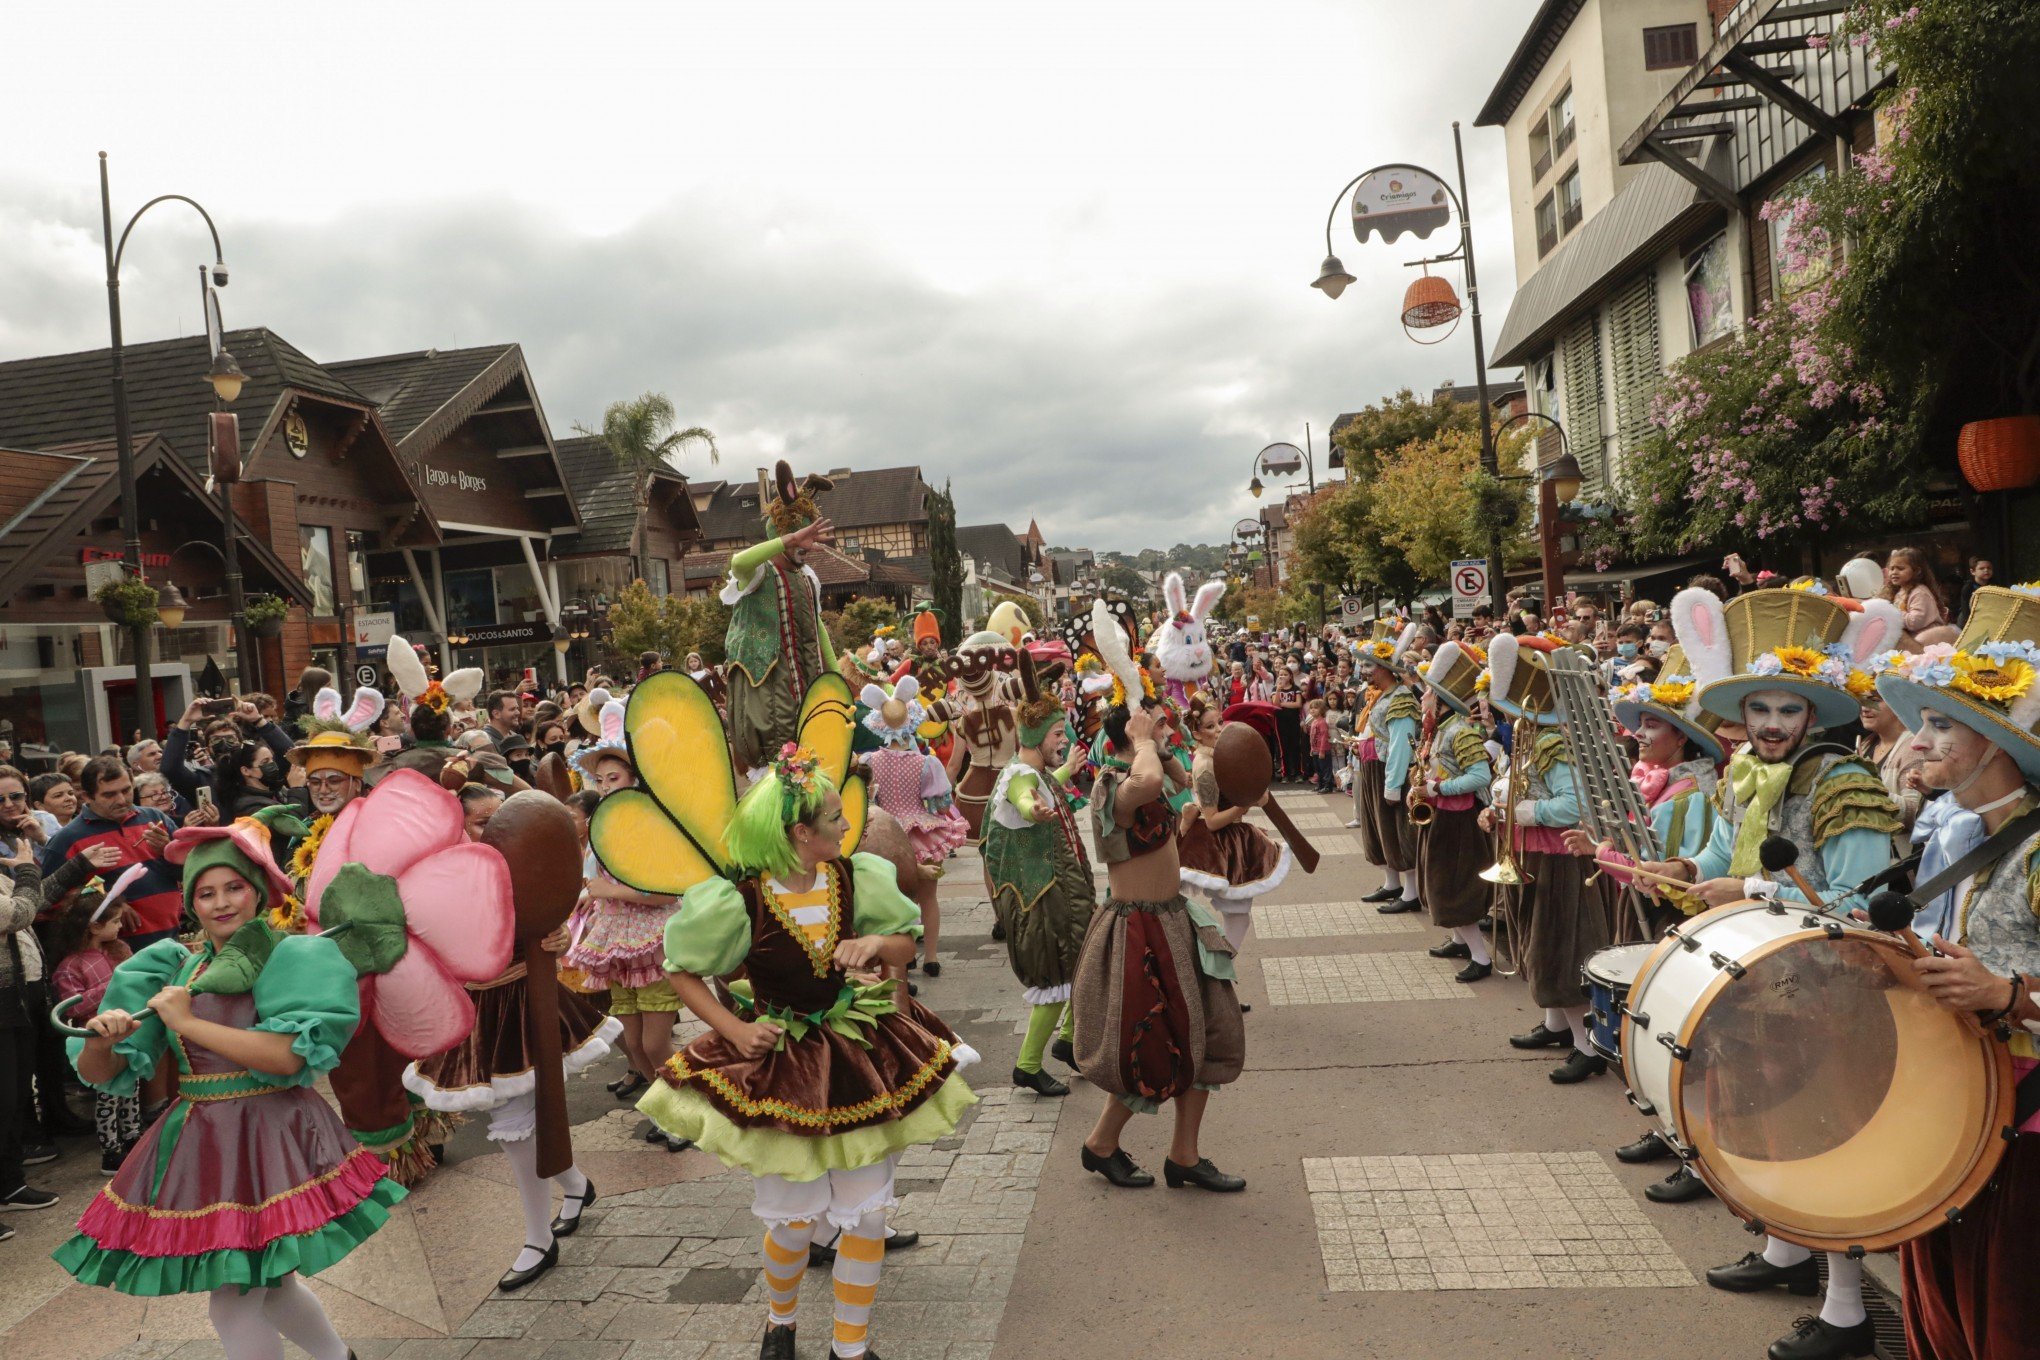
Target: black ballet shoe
column 1064, row 1052
column 1451, row 949
column 933, row 968
column 567, row 1227
column 1040, row 1083
column 1245, row 1009
column 1119, row 1169
column 1753, row 1273
column 629, row 1086
column 1540, row 1037
column 998, row 929
column 1652, row 1147
column 1816, row 1339
column 517, row 1279
column 777, row 1344
column 1204, row 1176
column 1473, row 972
column 1577, row 1067
column 913, row 988
column 1678, row 1188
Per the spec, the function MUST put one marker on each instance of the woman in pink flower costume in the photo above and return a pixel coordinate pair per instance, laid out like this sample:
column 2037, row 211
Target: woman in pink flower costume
column 485, row 1065
column 249, row 1180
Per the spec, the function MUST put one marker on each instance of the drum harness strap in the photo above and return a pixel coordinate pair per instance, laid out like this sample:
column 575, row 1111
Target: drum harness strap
column 2026, row 1096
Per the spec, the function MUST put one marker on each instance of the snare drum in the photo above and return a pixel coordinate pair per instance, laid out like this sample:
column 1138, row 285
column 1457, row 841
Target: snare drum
column 1818, row 1089
column 1608, row 975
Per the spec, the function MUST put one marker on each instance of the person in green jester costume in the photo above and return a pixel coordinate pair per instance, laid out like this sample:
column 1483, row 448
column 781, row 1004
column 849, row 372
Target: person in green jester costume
column 776, row 645
column 1042, row 891
column 250, row 1179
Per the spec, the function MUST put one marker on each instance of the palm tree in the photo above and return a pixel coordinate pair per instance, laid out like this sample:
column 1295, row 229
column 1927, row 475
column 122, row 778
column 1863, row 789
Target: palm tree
column 640, row 436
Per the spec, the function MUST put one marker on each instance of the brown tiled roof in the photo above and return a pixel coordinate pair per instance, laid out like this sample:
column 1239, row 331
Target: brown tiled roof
column 411, row 389
column 601, row 489
column 996, row 545
column 860, row 499
column 80, row 483
column 67, row 398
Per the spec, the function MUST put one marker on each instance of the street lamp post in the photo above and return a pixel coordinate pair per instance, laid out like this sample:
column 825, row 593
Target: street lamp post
column 1332, row 280
column 130, row 504
column 1263, row 462
column 1557, row 482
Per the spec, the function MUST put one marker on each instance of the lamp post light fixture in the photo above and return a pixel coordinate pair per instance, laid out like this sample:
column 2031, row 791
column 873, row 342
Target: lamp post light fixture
column 171, row 606
column 1558, row 481
column 1282, row 459
column 130, row 501
column 1400, row 205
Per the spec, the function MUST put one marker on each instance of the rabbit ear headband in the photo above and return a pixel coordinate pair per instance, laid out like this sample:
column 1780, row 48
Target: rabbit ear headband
column 367, row 707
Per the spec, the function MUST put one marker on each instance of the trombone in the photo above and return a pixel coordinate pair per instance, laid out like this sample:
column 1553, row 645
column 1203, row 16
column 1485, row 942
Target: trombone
column 1505, row 873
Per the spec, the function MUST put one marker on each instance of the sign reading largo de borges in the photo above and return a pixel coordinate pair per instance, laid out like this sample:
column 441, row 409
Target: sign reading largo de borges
column 453, row 477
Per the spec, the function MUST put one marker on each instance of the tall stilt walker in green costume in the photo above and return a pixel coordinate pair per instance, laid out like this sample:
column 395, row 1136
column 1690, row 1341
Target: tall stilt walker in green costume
column 776, row 643
column 1042, row 892
column 815, row 1073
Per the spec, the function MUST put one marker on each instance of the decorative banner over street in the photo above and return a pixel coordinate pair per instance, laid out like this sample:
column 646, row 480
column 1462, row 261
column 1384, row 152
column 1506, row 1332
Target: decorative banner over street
column 1398, row 199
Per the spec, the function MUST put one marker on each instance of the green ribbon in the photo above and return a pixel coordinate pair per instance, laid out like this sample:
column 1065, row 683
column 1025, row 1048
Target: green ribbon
column 1758, row 785
column 855, row 1009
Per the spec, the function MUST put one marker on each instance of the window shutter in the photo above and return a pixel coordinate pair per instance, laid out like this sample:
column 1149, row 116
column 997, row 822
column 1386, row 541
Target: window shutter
column 1580, row 357
column 1633, row 325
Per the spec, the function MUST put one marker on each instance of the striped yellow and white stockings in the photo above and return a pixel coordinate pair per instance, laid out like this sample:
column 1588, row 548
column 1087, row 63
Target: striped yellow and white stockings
column 860, row 1252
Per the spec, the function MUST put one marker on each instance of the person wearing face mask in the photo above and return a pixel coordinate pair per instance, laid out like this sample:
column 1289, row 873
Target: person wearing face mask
column 1974, row 710
column 1783, row 663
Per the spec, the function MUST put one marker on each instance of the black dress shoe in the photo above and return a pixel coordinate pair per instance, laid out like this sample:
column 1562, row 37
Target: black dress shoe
column 629, row 1086
column 1040, row 1083
column 1383, row 894
column 824, row 1253
column 1753, row 1273
column 1400, row 904
column 567, row 1227
column 777, row 1345
column 1541, row 1037
column 1451, row 949
column 517, row 1279
column 1204, row 1176
column 998, row 929
column 1473, row 972
column 1063, row 1051
column 1119, row 1169
column 1652, row 1147
column 1578, row 1067
column 932, row 968
column 1486, row 923
column 1678, row 1188
column 1814, row 1339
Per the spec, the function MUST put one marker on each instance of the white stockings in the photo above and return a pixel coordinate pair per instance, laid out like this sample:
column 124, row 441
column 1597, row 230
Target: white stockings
column 253, row 1323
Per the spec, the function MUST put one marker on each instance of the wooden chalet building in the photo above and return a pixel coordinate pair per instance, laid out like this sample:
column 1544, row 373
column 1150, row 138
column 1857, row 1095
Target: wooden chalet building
column 881, row 534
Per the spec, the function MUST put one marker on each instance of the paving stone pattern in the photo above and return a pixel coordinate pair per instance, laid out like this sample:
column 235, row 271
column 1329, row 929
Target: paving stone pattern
column 1342, row 978
column 1499, row 1220
column 1332, row 919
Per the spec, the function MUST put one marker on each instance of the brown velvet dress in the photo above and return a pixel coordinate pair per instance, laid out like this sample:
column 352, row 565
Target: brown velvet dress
column 492, row 1065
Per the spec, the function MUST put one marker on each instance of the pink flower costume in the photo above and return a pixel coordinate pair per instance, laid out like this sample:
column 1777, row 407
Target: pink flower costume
column 905, row 780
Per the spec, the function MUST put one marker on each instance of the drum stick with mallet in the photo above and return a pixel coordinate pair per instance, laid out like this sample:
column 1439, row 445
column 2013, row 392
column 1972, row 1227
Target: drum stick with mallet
column 1780, row 856
column 1892, row 912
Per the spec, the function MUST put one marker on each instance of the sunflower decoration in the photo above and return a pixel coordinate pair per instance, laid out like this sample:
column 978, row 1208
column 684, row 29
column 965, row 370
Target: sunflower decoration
column 1994, row 679
column 307, row 851
column 435, row 698
column 1382, row 650
column 288, row 916
column 1147, row 689
column 1673, row 691
column 1486, row 680
column 1804, row 662
column 1474, row 651
column 667, row 834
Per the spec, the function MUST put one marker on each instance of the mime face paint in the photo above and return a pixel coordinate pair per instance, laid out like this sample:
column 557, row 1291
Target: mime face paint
column 1778, row 721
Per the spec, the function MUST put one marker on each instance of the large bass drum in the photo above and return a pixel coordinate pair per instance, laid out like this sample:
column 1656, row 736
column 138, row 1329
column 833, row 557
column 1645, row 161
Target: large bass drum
column 1813, row 1083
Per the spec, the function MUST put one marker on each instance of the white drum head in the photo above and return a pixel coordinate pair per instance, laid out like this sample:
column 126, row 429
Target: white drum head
column 1618, row 967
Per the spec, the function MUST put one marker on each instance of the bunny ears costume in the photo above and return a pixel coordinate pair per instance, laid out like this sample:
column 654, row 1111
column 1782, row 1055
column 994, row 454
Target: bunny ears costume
column 611, row 742
column 1179, row 641
column 894, row 718
column 409, row 673
column 1794, row 640
column 335, row 740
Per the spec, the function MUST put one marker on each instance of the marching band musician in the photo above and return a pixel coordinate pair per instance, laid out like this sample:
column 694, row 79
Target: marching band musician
column 1385, row 756
column 1679, row 755
column 1969, row 1289
column 1786, row 664
column 1556, row 918
column 1454, row 779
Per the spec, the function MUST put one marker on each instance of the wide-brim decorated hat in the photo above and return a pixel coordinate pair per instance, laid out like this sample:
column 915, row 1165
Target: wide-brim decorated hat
column 609, row 731
column 1454, row 674
column 1799, row 641
column 1989, row 680
column 336, row 740
column 1519, row 681
column 1393, row 652
column 1673, row 699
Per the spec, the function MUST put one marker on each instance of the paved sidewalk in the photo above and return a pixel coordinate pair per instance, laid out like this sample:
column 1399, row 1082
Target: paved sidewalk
column 1416, row 1189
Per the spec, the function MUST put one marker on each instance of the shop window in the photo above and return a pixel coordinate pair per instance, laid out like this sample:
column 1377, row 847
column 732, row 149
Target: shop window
column 315, row 559
column 1670, row 48
column 359, row 545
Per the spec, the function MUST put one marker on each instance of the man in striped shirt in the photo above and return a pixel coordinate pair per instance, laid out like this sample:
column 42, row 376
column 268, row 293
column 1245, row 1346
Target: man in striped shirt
column 110, row 817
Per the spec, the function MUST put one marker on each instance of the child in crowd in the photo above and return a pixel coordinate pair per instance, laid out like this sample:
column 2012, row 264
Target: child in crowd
column 85, row 941
column 1317, row 730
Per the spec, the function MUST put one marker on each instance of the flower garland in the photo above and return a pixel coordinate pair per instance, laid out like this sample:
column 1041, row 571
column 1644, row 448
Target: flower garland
column 435, row 698
column 1147, row 688
column 1996, row 673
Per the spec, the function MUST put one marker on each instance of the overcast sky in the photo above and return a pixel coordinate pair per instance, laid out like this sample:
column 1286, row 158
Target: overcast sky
column 1056, row 253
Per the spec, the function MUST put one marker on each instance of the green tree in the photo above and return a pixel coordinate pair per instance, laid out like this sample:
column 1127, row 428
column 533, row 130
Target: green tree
column 852, row 627
column 640, row 435
column 640, row 621
column 1379, row 430
column 1123, row 579
column 945, row 564
column 704, row 624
